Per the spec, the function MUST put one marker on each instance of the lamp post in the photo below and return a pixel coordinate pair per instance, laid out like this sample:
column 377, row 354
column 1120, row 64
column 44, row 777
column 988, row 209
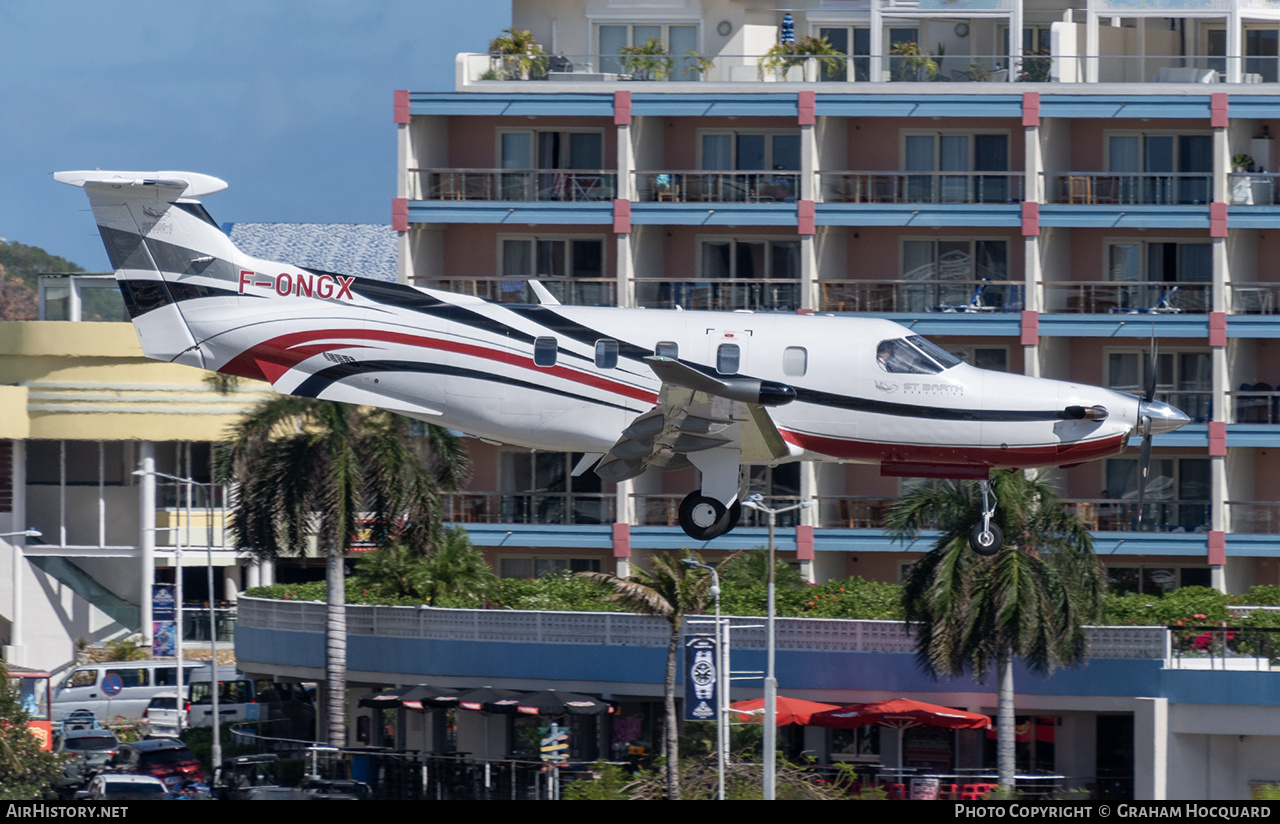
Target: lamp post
column 722, row 678
column 15, row 626
column 216, row 750
column 756, row 502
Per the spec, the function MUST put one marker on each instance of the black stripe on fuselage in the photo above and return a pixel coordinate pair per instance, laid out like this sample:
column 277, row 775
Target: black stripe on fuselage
column 319, row 381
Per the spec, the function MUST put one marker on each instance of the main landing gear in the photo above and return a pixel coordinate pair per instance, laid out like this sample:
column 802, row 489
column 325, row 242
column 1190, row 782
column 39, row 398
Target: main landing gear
column 704, row 518
column 987, row 538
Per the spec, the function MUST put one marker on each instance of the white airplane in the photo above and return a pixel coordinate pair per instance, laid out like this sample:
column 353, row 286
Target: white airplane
column 633, row 389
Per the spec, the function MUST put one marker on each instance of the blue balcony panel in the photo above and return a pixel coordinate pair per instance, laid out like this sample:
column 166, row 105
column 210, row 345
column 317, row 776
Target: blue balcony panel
column 516, row 213
column 1194, row 107
column 1177, row 544
column 926, row 215
column 947, row 324
column 1253, row 546
column 714, row 105
column 900, row 103
column 1253, row 326
column 1124, row 216
column 712, row 214
column 569, row 536
column 1253, row 217
column 1193, row 434
column 1253, row 435
column 512, row 105
column 1248, row 106
column 1124, row 326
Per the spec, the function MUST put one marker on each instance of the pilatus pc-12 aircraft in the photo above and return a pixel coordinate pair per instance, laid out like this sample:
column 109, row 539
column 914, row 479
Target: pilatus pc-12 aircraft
column 634, row 389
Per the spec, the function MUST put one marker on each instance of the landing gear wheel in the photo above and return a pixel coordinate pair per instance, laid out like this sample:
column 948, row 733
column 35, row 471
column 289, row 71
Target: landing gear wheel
column 704, row 518
column 986, row 542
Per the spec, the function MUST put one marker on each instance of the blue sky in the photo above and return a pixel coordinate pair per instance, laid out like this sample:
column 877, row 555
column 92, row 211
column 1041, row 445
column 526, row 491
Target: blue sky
column 289, row 101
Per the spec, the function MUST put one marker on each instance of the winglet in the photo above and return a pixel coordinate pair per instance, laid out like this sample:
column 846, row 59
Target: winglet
column 545, row 298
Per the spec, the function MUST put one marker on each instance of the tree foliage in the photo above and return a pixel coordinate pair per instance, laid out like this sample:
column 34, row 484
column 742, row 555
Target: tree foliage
column 25, row 769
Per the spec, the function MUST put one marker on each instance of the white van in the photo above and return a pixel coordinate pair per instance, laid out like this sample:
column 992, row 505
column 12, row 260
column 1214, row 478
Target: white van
column 117, row 687
column 286, row 709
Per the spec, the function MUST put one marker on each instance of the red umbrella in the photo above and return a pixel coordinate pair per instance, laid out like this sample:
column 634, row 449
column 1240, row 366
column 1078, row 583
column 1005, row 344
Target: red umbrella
column 789, row 710
column 900, row 713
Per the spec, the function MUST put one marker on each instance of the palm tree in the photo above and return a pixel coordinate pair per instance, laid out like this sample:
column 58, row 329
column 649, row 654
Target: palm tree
column 301, row 467
column 670, row 591
column 1029, row 600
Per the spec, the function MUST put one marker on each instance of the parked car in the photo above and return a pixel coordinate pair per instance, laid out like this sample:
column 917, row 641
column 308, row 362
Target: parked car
column 164, row 758
column 165, row 716
column 116, row 687
column 288, row 707
column 118, row 787
column 88, row 752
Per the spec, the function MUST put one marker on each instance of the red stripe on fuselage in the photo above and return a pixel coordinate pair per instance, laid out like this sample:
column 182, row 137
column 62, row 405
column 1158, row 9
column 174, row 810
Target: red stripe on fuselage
column 291, row 349
column 1014, row 457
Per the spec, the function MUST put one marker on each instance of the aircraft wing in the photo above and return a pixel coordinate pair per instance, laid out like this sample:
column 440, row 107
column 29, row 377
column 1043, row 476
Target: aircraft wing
column 697, row 412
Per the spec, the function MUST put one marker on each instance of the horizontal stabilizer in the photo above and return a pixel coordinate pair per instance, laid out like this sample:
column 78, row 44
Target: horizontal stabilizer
column 182, row 184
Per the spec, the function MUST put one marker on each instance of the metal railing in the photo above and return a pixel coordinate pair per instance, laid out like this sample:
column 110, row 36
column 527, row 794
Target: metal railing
column 1224, row 648
column 529, row 508
column 1159, row 515
column 1126, row 297
column 1252, row 298
column 921, row 187
column 521, row 185
column 966, row 296
column 694, row 186
column 572, row 291
column 1253, row 517
column 195, row 624
column 1132, row 188
column 1255, row 406
column 723, row 295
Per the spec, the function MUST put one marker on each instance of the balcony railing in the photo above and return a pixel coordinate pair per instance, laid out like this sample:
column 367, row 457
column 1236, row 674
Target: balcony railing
column 571, row 291
column 1245, row 298
column 1127, row 297
column 1255, row 405
column 920, row 187
column 522, row 185
column 529, row 508
column 756, row 295
column 1254, row 517
column 1252, row 189
column 1121, row 514
column 679, row 186
column 966, row 296
column 1132, row 188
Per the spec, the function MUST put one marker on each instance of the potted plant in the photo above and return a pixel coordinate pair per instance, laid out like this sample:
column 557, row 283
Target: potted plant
column 1241, row 163
column 516, row 54
column 647, row 62
column 809, row 52
column 912, row 63
column 977, row 72
column 1036, row 66
column 700, row 65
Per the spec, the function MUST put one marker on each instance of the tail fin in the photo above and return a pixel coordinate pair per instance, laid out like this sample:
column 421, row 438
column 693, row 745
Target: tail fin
column 163, row 246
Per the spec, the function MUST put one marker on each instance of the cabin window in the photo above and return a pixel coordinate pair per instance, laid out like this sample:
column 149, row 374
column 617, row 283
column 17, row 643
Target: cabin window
column 607, row 354
column 795, row 361
column 544, row 351
column 728, row 356
column 899, row 357
column 667, row 349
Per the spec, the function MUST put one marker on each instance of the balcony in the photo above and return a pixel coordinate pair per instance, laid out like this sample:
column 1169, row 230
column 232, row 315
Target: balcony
column 1245, row 298
column 519, row 185
column 723, row 295
column 1161, row 515
column 679, row 186
column 529, row 508
column 920, row 187
column 1253, row 517
column 570, row 291
column 1255, row 403
column 1131, row 189
column 1127, row 297
column 949, row 296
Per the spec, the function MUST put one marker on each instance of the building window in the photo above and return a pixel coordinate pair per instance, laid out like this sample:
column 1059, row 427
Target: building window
column 1177, row 495
column 1183, row 379
column 1158, row 168
column 756, row 274
column 1156, row 580
column 854, row 41
column 677, row 39
column 524, row 567
column 993, row 358
column 552, row 259
column 956, row 274
column 539, row 488
column 940, row 152
column 544, row 164
column 1149, row 265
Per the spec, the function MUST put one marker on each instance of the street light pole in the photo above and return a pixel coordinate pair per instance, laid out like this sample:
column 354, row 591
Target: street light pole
column 15, row 578
column 756, row 502
column 216, row 750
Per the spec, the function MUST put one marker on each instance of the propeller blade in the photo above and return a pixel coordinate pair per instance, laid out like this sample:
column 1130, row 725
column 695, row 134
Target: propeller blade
column 1150, row 388
column 1144, row 464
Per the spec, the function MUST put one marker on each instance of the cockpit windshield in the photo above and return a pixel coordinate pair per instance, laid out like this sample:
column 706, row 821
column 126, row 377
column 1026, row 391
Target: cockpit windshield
column 913, row 355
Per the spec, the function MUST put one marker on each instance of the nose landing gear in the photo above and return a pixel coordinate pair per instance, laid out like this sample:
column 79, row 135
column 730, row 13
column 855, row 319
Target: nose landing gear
column 987, row 538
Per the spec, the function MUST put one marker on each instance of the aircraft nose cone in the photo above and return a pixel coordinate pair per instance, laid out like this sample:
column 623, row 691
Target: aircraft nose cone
column 1163, row 417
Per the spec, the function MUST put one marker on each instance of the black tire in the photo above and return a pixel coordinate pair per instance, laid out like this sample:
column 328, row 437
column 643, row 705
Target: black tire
column 704, row 518
column 732, row 517
column 986, row 543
